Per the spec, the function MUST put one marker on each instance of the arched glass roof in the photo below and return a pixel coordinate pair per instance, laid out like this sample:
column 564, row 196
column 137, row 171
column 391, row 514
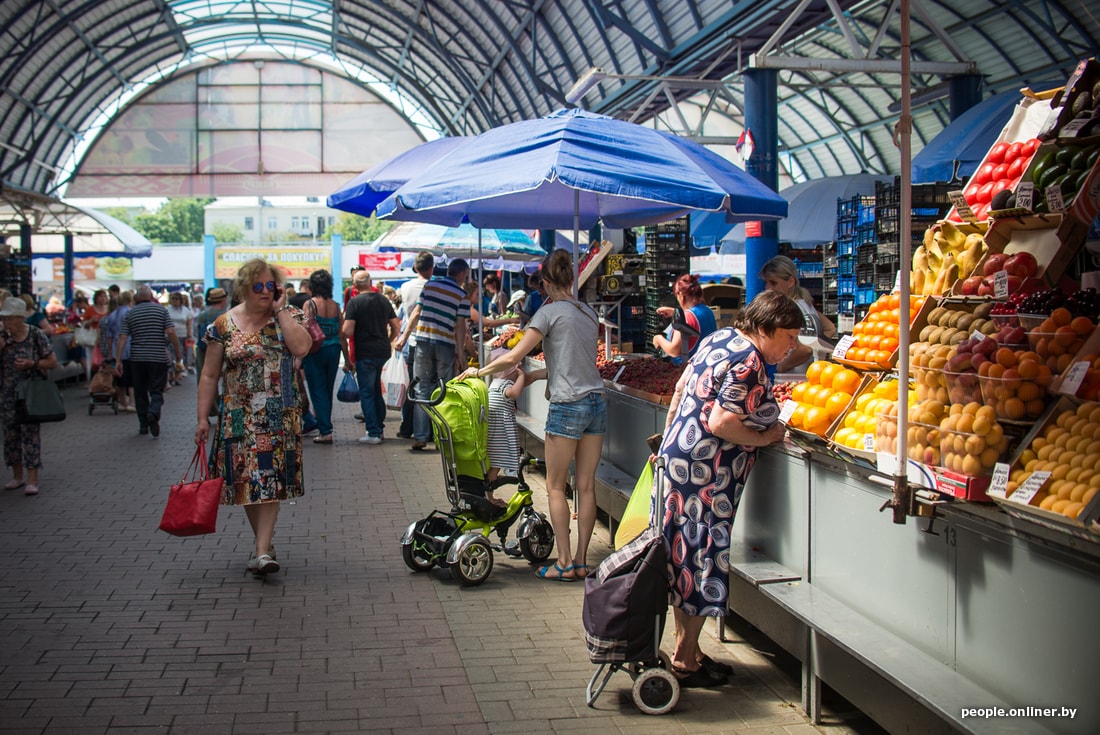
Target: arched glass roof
column 462, row 66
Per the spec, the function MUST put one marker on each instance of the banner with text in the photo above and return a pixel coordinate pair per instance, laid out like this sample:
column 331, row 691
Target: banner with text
column 295, row 262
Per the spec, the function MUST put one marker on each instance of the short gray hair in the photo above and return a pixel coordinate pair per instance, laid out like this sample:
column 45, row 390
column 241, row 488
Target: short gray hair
column 143, row 293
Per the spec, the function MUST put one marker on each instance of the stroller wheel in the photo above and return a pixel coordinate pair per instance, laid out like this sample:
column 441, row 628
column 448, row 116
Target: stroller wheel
column 538, row 543
column 416, row 559
column 91, row 409
column 474, row 563
column 655, row 691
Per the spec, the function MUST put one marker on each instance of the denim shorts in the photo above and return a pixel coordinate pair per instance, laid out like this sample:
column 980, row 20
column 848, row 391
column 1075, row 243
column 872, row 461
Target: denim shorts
column 577, row 418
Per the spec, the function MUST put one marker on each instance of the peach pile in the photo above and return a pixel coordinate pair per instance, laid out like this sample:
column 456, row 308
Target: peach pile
column 961, row 438
column 1057, row 338
column 1068, row 448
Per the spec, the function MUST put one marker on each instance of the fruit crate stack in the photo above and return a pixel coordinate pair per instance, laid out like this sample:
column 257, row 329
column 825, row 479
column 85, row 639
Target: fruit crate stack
column 855, row 227
column 667, row 257
column 829, row 274
column 929, row 205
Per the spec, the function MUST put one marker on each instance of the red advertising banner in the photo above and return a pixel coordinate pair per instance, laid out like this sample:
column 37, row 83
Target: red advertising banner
column 380, row 262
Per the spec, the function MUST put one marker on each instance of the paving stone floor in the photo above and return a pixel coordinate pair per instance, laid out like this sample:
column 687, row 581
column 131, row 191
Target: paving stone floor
column 109, row 626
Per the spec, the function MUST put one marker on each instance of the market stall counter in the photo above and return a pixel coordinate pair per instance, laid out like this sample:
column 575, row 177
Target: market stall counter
column 914, row 624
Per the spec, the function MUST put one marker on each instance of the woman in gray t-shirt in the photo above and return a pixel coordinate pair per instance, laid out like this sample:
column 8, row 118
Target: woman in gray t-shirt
column 577, row 419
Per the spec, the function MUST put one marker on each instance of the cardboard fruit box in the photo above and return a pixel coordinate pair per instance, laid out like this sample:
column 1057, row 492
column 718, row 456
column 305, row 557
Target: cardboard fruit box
column 1019, row 506
column 1053, row 239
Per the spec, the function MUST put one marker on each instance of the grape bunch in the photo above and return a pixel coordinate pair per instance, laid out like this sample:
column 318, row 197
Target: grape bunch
column 782, row 392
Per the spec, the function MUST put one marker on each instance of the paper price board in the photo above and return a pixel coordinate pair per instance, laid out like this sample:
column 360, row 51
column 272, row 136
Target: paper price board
column 1000, row 285
column 1025, row 195
column 843, row 346
column 1030, row 487
column 787, row 411
column 998, row 486
column 868, row 442
column 1071, row 383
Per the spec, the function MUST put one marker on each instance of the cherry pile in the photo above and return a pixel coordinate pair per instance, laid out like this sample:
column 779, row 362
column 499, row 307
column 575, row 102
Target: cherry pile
column 1080, row 303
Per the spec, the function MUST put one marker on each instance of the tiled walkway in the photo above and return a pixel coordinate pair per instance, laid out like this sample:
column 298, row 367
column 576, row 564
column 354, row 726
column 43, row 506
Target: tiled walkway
column 109, row 626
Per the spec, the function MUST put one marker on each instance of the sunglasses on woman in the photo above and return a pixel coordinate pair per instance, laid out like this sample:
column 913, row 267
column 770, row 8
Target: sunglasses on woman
column 259, row 286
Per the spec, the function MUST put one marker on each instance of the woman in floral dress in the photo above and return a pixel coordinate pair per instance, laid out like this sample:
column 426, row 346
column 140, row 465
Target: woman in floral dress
column 257, row 448
column 23, row 350
column 721, row 412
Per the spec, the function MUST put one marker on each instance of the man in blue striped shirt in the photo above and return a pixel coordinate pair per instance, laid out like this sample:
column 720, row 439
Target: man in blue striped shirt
column 439, row 320
column 148, row 329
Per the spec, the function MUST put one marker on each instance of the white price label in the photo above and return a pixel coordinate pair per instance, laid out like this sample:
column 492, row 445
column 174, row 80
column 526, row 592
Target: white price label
column 999, row 484
column 787, row 410
column 961, row 206
column 1055, row 203
column 897, row 284
column 868, row 442
column 843, row 346
column 978, row 335
column 617, row 374
column 1073, row 128
column 1000, row 285
column 1074, row 377
column 1030, row 487
column 1025, row 195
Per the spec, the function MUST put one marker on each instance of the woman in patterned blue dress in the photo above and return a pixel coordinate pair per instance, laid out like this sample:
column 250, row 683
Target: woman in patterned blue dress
column 721, row 412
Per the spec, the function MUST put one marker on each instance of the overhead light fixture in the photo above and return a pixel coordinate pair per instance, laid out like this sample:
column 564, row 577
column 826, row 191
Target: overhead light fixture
column 587, row 81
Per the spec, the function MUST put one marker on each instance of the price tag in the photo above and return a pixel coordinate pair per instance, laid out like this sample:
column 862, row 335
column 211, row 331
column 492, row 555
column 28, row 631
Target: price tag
column 620, row 372
column 1025, row 195
column 1000, row 285
column 1073, row 128
column 1054, row 199
column 999, row 484
column 897, row 284
column 868, row 442
column 787, row 410
column 959, row 200
column 1074, row 377
column 843, row 346
column 978, row 335
column 1030, row 487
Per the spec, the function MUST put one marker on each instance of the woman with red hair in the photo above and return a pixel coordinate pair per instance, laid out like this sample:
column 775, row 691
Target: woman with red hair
column 679, row 341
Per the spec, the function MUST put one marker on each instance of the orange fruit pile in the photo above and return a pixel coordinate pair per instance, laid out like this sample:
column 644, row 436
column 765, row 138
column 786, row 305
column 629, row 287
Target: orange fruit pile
column 876, row 337
column 823, row 397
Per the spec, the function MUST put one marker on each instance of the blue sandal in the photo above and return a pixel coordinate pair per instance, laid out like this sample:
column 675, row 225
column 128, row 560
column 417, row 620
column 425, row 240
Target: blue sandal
column 544, row 573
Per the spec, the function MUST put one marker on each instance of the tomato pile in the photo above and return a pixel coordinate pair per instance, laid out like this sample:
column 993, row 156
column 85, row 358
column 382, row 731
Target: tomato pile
column 1001, row 171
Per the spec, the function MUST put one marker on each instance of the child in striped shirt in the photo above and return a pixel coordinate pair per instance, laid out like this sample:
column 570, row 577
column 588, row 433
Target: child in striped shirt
column 503, row 432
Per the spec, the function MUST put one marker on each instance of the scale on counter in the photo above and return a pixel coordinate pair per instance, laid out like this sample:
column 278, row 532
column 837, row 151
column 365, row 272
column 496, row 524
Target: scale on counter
column 812, row 332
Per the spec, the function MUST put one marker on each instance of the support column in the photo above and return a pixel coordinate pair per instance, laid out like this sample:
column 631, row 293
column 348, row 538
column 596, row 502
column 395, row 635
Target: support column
column 761, row 119
column 209, row 278
column 67, row 266
column 547, row 238
column 338, row 268
column 965, row 92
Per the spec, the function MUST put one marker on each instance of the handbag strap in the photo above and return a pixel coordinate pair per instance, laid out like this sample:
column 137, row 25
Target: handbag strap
column 198, row 460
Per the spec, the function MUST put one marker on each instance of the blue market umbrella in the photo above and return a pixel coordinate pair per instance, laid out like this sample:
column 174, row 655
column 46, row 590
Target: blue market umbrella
column 573, row 168
column 363, row 193
column 463, row 241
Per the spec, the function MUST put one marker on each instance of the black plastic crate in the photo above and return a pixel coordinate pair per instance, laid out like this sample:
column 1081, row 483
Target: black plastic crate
column 885, row 279
column 865, row 254
column 865, row 273
column 923, row 195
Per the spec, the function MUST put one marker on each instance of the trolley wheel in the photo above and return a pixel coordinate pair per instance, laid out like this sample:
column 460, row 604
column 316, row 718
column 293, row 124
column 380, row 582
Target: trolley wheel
column 537, row 546
column 655, row 691
column 664, row 659
column 474, row 563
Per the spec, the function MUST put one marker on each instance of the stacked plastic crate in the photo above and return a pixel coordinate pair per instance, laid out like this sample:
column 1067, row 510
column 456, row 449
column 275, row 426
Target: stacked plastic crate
column 929, row 205
column 811, row 268
column 667, row 257
column 855, row 219
column 829, row 281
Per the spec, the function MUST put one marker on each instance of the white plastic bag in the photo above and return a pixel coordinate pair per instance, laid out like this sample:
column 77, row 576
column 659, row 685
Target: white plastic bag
column 395, row 381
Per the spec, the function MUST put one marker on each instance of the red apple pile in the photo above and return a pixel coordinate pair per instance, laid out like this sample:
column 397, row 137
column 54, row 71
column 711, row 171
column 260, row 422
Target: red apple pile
column 1020, row 267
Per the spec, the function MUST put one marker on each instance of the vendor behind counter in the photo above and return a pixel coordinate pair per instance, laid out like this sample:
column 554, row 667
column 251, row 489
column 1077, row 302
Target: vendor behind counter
column 690, row 323
column 781, row 274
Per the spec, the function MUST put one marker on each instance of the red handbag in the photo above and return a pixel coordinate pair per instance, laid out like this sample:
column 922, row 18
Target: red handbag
column 193, row 503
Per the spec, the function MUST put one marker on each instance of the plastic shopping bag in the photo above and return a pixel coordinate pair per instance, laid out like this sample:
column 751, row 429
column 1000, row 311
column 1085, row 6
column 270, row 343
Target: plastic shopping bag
column 348, row 392
column 636, row 516
column 395, row 381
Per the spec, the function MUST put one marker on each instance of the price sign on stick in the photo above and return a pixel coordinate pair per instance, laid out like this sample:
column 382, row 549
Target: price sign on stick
column 1000, row 285
column 843, row 346
column 1025, row 195
column 868, row 442
column 787, row 410
column 1073, row 128
column 961, row 206
column 999, row 484
column 1030, row 487
column 1055, row 202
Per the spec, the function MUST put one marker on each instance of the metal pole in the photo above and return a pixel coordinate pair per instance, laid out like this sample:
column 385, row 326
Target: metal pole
column 576, row 241
column 481, row 326
column 901, row 500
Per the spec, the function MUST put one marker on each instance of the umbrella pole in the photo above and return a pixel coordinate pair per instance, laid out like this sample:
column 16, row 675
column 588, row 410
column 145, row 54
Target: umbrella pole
column 902, row 498
column 576, row 241
column 480, row 326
